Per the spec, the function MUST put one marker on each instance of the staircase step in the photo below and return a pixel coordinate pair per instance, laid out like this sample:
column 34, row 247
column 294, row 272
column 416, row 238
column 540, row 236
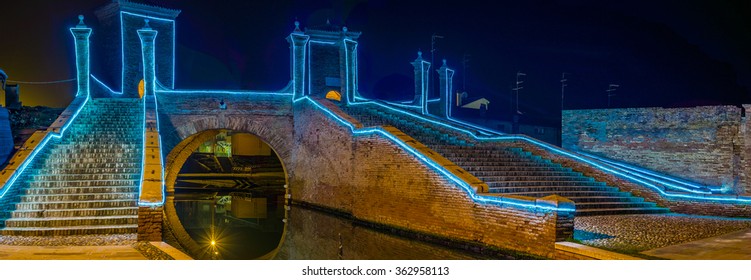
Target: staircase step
column 621, row 211
column 72, row 230
column 79, row 197
column 83, row 183
column 98, row 212
column 60, row 205
column 71, row 221
column 501, row 184
column 80, row 190
column 86, row 177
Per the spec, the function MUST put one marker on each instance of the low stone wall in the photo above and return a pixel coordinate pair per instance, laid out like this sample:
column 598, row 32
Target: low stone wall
column 680, row 205
column 575, row 251
column 705, row 144
column 377, row 181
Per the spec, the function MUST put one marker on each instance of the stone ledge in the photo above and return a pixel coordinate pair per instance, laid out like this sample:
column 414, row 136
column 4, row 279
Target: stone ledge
column 590, row 252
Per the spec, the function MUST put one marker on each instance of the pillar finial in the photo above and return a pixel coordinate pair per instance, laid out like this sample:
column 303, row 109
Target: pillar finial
column 344, row 29
column 146, row 24
column 297, row 26
column 80, row 21
column 419, row 54
column 444, row 62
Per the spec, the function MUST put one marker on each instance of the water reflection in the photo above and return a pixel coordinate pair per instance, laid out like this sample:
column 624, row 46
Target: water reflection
column 232, row 225
column 247, row 228
column 229, row 204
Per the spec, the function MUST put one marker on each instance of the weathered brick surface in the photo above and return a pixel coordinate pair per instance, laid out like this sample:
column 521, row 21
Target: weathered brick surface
column 377, row 181
column 705, row 144
column 150, row 223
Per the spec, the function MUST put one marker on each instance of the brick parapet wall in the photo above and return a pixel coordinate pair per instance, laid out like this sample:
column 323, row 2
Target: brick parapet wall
column 704, row 144
column 377, row 181
column 680, row 205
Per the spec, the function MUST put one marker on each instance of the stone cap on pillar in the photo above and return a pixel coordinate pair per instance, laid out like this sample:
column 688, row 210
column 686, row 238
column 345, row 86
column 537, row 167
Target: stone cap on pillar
column 146, row 24
column 443, row 67
column 80, row 22
column 419, row 60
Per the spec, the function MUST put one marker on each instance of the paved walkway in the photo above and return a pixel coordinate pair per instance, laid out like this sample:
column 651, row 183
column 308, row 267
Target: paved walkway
column 106, row 252
column 732, row 246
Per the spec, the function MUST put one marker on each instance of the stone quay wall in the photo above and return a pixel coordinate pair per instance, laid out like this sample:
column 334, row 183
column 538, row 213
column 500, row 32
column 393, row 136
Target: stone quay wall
column 373, row 179
column 705, row 144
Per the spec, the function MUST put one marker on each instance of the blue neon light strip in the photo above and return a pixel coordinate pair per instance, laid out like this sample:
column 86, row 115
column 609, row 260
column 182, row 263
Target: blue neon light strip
column 50, row 134
column 693, row 187
column 104, row 85
column 41, row 147
column 401, row 105
column 226, row 92
column 433, row 165
column 694, row 195
column 122, row 45
column 425, row 86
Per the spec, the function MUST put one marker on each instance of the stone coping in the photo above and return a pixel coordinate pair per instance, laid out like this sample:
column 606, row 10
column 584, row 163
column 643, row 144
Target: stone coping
column 591, row 252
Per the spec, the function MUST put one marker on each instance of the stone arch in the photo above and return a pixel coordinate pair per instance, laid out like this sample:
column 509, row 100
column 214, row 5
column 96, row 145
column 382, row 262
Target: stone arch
column 193, row 135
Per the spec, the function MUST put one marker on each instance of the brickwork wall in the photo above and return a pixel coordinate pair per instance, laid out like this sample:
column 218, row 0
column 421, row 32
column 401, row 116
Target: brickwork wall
column 6, row 139
column 377, row 181
column 150, row 223
column 325, row 59
column 703, row 144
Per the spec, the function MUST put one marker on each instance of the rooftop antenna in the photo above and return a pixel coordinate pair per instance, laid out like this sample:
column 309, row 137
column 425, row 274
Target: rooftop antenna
column 517, row 88
column 465, row 60
column 610, row 91
column 563, row 87
column 432, row 59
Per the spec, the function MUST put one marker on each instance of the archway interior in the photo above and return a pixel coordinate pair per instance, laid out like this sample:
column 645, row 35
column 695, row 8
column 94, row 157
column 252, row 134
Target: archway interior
column 229, row 196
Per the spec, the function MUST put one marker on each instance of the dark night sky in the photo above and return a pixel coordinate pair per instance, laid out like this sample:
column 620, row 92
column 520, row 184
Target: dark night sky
column 661, row 53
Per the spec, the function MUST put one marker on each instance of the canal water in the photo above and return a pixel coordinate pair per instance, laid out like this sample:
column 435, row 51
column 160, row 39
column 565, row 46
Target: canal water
column 252, row 226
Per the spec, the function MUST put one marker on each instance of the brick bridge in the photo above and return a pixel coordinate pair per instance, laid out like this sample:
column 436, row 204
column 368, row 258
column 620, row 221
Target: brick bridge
column 405, row 166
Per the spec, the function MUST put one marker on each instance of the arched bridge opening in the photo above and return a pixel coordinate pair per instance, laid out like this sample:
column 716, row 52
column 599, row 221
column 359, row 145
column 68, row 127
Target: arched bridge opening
column 227, row 194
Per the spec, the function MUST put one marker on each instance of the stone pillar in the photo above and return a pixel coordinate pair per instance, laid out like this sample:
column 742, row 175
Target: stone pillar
column 148, row 37
column 349, row 49
column 81, row 34
column 446, row 77
column 422, row 72
column 298, row 41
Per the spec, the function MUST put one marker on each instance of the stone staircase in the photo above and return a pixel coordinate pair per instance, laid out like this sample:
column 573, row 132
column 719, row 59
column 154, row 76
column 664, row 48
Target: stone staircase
column 510, row 170
column 85, row 182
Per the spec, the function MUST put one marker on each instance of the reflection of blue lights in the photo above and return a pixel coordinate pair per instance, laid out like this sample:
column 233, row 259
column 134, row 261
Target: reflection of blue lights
column 436, row 167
